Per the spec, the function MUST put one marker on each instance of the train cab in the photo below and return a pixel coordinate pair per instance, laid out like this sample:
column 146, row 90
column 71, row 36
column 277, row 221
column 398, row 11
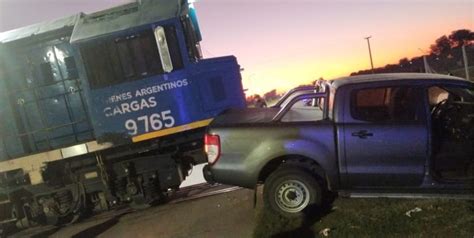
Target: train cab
column 145, row 75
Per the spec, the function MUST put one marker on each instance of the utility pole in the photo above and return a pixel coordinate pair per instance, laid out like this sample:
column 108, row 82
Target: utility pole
column 428, row 69
column 466, row 65
column 370, row 52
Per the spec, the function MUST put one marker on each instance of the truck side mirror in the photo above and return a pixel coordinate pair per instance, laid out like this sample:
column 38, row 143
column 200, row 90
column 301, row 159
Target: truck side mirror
column 162, row 44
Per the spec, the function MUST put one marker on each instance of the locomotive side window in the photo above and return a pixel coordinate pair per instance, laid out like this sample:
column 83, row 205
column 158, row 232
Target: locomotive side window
column 71, row 67
column 128, row 58
column 125, row 57
column 47, row 73
column 173, row 46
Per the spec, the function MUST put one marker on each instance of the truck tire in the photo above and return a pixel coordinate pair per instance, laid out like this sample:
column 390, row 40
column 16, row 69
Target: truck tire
column 292, row 192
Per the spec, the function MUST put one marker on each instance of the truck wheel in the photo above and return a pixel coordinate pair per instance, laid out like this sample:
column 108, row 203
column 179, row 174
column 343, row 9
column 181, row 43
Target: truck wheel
column 292, row 192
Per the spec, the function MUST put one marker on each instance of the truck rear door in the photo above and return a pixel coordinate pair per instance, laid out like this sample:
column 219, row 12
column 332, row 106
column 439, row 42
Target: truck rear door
column 385, row 136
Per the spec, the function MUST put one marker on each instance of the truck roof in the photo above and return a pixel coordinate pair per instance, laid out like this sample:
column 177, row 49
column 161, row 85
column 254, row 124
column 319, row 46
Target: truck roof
column 391, row 77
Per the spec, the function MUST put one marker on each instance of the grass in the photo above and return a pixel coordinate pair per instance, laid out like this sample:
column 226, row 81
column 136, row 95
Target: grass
column 375, row 218
column 462, row 73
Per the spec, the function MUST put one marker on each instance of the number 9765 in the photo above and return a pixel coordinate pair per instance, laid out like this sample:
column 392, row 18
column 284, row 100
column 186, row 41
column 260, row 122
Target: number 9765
column 154, row 122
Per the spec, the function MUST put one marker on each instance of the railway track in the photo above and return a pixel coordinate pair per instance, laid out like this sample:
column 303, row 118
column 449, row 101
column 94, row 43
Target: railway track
column 192, row 192
column 199, row 191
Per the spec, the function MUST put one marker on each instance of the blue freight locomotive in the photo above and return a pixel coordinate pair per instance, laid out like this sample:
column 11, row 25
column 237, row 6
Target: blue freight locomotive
column 105, row 108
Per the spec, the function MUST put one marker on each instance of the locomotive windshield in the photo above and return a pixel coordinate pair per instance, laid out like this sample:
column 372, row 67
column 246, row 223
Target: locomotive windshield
column 127, row 58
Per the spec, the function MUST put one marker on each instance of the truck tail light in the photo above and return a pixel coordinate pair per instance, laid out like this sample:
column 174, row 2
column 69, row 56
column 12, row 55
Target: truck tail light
column 212, row 147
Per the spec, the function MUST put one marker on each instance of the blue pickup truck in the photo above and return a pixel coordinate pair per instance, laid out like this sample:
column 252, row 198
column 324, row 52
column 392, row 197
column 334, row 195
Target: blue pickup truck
column 380, row 135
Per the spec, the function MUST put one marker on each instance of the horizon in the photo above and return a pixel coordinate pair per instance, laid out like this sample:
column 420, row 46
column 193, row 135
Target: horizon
column 282, row 44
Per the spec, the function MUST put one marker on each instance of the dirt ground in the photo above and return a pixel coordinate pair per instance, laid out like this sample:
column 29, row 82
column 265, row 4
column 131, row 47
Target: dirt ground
column 214, row 216
column 232, row 214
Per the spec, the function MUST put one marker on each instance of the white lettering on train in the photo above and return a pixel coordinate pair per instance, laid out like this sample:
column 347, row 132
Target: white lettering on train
column 129, row 102
column 120, row 97
column 128, row 107
column 161, row 87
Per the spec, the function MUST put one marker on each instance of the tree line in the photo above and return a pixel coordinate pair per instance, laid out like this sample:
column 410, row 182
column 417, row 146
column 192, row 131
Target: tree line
column 444, row 56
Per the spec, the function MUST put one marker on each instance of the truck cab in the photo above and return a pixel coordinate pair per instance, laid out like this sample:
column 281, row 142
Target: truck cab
column 404, row 124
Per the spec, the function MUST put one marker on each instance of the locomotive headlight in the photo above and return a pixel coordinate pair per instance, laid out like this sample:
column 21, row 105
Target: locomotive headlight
column 163, row 50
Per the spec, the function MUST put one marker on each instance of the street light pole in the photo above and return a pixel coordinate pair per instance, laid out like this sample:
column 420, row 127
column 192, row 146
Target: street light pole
column 370, row 52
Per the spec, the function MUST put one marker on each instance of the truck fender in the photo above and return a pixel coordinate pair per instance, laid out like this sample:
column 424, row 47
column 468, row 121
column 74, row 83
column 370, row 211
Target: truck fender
column 278, row 150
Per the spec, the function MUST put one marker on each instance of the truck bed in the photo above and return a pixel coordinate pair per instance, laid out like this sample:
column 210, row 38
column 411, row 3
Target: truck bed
column 236, row 117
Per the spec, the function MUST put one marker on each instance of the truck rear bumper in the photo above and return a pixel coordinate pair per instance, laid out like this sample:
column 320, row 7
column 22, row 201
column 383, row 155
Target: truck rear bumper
column 208, row 176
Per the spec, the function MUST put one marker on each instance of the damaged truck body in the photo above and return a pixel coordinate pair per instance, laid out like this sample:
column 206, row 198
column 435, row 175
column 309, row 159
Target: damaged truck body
column 379, row 135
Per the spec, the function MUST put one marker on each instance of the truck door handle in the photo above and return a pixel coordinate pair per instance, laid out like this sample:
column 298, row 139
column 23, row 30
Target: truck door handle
column 363, row 134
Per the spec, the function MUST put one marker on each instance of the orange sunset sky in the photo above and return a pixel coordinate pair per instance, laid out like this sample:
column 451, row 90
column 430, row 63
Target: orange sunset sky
column 285, row 43
column 282, row 44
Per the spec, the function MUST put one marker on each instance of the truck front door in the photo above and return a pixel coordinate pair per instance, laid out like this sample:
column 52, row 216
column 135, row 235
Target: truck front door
column 385, row 136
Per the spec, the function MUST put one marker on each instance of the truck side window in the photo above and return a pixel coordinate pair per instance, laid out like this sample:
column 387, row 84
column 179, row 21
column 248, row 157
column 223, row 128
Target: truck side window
column 384, row 104
column 305, row 110
column 438, row 94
